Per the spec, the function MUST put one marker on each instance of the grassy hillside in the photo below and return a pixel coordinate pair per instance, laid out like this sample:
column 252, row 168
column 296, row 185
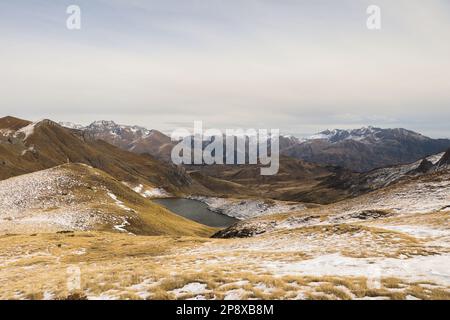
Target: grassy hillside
column 27, row 147
column 79, row 197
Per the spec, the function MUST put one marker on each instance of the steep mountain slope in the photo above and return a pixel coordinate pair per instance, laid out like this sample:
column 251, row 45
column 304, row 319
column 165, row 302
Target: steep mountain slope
column 155, row 143
column 444, row 161
column 74, row 197
column 45, row 144
column 367, row 148
column 360, row 183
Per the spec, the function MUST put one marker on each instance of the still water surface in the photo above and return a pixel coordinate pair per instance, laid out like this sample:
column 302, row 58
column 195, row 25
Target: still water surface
column 196, row 211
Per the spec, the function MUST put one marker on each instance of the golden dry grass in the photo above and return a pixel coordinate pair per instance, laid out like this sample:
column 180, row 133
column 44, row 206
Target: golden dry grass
column 107, row 202
column 141, row 267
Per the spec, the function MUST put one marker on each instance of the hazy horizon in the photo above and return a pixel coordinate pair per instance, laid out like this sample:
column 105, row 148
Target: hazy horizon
column 300, row 66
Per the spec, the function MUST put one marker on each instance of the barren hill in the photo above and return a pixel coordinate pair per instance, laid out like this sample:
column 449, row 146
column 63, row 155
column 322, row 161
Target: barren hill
column 77, row 197
column 27, row 147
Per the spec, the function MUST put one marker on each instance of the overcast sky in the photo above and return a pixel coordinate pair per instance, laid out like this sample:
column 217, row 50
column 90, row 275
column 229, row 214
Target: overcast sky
column 301, row 66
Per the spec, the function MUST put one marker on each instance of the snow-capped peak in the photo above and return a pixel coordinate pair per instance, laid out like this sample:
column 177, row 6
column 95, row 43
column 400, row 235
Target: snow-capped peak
column 369, row 133
column 71, row 125
column 110, row 127
column 102, row 124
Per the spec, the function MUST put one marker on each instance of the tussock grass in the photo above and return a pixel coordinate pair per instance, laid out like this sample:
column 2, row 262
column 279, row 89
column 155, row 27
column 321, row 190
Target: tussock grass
column 133, row 267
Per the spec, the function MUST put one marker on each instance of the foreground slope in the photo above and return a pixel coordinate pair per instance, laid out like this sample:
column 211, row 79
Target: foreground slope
column 76, row 197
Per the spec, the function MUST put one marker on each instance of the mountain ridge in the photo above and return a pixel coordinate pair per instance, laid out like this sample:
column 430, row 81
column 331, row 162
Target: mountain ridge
column 362, row 149
column 45, row 144
column 366, row 148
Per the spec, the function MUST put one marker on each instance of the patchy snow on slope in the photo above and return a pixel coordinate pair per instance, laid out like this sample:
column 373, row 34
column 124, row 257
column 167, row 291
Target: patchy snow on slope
column 137, row 189
column 27, row 130
column 417, row 268
column 36, row 191
column 156, row 193
column 53, row 200
column 6, row 132
column 29, row 149
column 385, row 176
column 420, row 196
column 248, row 208
column 417, row 231
column 121, row 227
column 148, row 192
column 117, row 201
column 435, row 158
column 75, row 219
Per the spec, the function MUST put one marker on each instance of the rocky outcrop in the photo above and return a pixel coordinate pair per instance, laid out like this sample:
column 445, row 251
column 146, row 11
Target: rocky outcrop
column 445, row 160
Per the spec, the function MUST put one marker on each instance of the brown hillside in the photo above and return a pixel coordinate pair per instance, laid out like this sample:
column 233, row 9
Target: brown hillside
column 12, row 123
column 46, row 144
column 77, row 197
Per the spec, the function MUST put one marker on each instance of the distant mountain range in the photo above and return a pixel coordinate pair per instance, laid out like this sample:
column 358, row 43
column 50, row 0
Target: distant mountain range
column 359, row 150
column 131, row 138
column 27, row 147
column 366, row 148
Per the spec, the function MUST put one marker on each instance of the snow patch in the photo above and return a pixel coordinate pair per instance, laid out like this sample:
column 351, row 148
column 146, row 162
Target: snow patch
column 236, row 294
column 121, row 227
column 79, row 252
column 27, row 131
column 248, row 208
column 418, row 231
column 418, row 268
column 156, row 193
column 29, row 149
column 118, row 202
column 48, row 295
column 191, row 288
column 148, row 192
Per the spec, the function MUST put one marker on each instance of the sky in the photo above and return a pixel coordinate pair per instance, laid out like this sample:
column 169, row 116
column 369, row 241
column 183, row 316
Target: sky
column 298, row 66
